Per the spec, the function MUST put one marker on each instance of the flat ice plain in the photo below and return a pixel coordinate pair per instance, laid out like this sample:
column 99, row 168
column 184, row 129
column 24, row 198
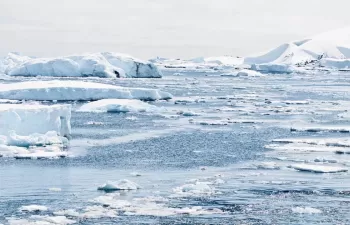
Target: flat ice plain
column 207, row 145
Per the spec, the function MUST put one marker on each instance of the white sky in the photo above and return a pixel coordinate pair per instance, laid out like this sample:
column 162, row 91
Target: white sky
column 168, row 28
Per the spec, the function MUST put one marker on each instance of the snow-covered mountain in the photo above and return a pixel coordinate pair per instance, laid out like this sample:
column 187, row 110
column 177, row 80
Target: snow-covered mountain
column 333, row 45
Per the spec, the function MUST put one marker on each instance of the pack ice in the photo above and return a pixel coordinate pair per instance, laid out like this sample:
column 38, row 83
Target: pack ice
column 63, row 90
column 104, row 64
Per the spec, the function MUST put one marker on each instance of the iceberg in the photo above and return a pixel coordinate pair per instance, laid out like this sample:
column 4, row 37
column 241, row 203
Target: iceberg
column 65, row 90
column 104, row 64
column 118, row 105
column 17, row 120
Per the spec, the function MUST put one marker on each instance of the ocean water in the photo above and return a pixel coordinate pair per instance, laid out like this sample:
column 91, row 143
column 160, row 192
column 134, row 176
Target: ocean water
column 237, row 162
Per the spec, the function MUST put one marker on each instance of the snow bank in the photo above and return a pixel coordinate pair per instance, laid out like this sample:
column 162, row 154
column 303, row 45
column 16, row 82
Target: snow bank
column 118, row 105
column 105, row 64
column 64, row 90
column 318, row 168
column 17, row 120
column 119, row 185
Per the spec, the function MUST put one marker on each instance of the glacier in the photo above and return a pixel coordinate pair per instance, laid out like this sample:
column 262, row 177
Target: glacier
column 104, row 64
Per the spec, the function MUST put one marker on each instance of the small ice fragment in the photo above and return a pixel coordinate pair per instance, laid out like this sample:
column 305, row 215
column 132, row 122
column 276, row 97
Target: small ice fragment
column 119, row 185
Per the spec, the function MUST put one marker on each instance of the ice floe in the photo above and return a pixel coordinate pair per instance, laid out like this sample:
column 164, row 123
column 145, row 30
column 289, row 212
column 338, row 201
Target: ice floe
column 318, row 168
column 195, row 189
column 105, row 64
column 64, row 90
column 119, row 185
column 118, row 105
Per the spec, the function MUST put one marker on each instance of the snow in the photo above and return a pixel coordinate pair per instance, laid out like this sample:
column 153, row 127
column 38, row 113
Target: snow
column 105, row 64
column 64, row 90
column 33, row 208
column 17, row 120
column 306, row 210
column 118, row 105
column 318, row 168
column 119, row 185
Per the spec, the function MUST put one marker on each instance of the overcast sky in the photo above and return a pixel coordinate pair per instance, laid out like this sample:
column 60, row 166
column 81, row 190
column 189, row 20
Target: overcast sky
column 168, row 28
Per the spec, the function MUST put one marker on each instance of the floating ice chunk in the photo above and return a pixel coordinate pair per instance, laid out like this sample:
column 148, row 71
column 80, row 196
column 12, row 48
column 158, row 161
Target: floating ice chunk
column 249, row 73
column 196, row 189
column 189, row 113
column 33, row 208
column 268, row 166
column 318, row 168
column 306, row 210
column 64, row 90
column 272, row 68
column 55, row 189
column 118, row 105
column 25, row 119
column 119, row 185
